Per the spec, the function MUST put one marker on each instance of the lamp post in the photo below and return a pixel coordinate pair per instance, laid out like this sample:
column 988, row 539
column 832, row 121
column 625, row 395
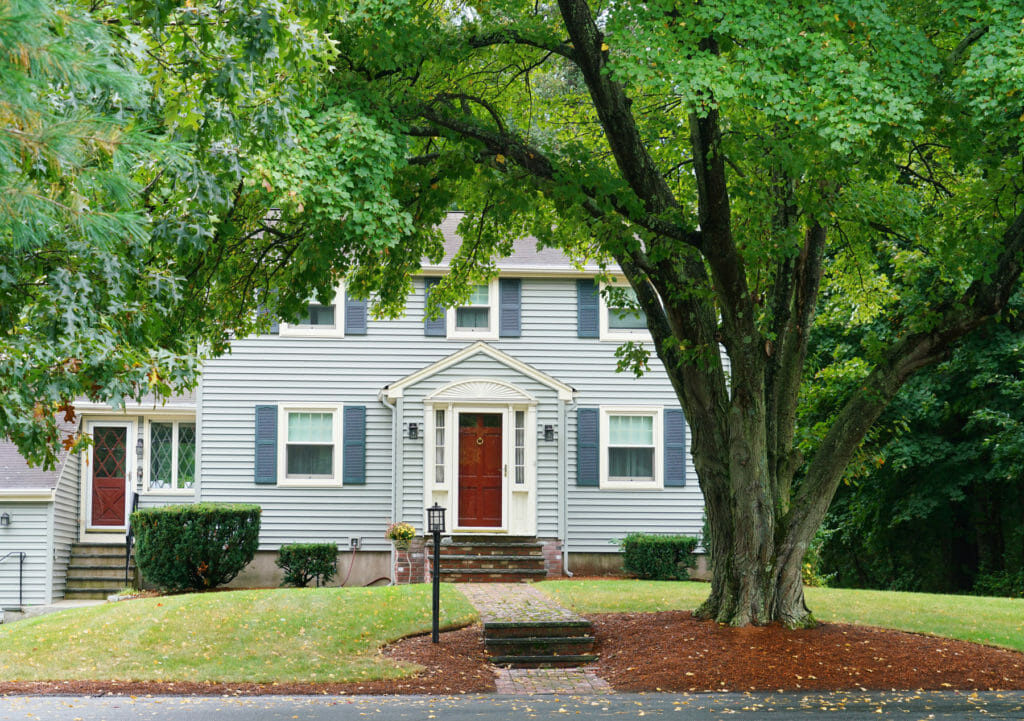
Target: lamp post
column 435, row 524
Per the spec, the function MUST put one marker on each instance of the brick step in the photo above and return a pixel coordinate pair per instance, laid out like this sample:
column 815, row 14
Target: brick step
column 488, row 575
column 540, row 646
column 526, row 661
column 506, row 629
column 454, row 561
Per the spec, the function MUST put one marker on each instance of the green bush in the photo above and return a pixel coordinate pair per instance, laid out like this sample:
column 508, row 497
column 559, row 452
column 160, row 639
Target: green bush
column 302, row 562
column 648, row 555
column 1000, row 583
column 195, row 547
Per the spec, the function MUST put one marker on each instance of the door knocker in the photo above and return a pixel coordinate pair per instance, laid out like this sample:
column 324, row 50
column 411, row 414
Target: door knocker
column 479, row 440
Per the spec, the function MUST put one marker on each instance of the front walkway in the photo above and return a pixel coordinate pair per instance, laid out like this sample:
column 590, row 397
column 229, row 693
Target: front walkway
column 520, row 602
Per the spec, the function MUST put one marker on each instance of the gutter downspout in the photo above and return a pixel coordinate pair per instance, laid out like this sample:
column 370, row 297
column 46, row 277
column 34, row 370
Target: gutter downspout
column 382, row 397
column 563, row 507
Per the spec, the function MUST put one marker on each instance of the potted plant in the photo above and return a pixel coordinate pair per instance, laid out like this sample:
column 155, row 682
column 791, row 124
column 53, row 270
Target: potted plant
column 400, row 534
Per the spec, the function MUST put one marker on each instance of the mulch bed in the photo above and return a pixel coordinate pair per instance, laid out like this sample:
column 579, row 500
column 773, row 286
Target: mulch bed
column 669, row 651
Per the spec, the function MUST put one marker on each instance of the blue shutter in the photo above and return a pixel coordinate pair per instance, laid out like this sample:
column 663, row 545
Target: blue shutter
column 353, row 462
column 266, row 445
column 586, row 308
column 510, row 294
column 436, row 326
column 588, row 447
column 675, row 447
column 355, row 316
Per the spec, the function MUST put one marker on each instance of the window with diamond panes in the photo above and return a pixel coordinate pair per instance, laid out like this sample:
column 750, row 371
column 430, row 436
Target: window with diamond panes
column 439, row 429
column 172, row 455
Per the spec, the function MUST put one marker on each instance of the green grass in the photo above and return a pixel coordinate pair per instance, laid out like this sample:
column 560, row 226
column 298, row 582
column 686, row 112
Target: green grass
column 993, row 621
column 305, row 635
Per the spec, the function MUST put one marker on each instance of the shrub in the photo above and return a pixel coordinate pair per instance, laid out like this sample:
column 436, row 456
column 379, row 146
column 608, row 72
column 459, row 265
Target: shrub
column 648, row 555
column 302, row 562
column 1000, row 583
column 195, row 547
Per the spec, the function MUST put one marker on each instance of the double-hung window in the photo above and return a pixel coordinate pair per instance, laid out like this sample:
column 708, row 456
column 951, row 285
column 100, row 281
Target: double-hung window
column 631, row 447
column 477, row 317
column 327, row 321
column 621, row 317
column 172, row 455
column 310, row 444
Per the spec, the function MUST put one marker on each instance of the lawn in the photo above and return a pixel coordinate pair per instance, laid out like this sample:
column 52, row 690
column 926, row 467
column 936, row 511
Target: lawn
column 307, row 635
column 994, row 621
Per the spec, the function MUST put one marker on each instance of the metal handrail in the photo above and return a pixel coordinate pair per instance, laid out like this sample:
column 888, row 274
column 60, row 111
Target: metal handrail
column 21, row 572
column 129, row 538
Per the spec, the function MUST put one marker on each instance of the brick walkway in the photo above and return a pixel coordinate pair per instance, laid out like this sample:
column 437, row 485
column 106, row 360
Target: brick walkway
column 515, row 602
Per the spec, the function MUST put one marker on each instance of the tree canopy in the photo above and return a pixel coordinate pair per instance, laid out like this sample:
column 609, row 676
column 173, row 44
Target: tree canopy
column 744, row 164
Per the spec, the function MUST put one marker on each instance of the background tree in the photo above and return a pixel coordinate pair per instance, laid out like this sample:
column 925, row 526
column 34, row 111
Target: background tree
column 124, row 133
column 723, row 154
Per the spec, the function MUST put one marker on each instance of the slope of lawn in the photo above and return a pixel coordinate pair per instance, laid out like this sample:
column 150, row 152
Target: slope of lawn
column 303, row 634
column 994, row 621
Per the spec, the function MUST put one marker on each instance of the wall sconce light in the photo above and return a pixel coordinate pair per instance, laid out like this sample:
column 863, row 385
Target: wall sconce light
column 549, row 432
column 5, row 519
column 414, row 431
column 139, row 450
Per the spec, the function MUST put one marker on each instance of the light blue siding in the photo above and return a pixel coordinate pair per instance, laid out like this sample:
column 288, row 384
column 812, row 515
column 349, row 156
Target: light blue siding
column 29, row 532
column 67, row 497
column 352, row 370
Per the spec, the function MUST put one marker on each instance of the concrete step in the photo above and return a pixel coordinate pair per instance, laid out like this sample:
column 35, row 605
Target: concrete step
column 105, row 571
column 540, row 646
column 525, row 629
column 112, row 583
column 90, row 593
column 453, row 561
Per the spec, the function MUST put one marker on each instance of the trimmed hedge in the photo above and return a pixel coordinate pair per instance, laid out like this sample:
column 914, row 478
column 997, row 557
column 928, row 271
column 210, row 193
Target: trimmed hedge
column 648, row 555
column 303, row 562
column 195, row 547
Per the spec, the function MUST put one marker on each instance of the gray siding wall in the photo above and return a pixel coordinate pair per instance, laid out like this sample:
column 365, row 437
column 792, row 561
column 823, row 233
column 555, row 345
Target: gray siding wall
column 351, row 370
column 66, row 506
column 29, row 532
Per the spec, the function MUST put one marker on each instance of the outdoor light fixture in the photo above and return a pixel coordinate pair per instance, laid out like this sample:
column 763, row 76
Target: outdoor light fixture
column 139, row 449
column 414, row 431
column 5, row 519
column 549, row 432
column 435, row 524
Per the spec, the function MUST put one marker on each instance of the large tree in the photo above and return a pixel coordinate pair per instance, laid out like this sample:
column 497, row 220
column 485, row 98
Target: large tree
column 736, row 159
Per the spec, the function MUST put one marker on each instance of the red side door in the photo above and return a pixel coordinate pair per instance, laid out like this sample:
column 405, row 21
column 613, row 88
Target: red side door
column 479, row 470
column 108, row 475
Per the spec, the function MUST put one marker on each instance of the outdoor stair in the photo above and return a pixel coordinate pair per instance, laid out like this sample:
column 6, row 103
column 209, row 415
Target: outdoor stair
column 490, row 559
column 96, row 570
column 540, row 643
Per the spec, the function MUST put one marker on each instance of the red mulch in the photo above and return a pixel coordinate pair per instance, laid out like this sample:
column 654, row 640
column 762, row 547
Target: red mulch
column 669, row 651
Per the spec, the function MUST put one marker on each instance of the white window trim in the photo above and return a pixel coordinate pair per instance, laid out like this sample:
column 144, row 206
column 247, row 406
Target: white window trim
column 616, row 334
column 338, row 331
column 147, row 457
column 283, row 479
column 659, row 447
column 488, row 333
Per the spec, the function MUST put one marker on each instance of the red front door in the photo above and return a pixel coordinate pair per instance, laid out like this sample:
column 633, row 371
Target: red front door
column 108, row 475
column 479, row 470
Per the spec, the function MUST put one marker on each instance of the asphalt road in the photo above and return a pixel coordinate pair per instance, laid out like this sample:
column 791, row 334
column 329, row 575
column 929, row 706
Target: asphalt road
column 911, row 706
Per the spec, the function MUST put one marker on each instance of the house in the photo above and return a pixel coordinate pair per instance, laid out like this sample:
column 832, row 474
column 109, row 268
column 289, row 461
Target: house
column 507, row 411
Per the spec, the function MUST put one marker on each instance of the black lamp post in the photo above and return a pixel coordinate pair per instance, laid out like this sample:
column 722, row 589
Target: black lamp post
column 435, row 524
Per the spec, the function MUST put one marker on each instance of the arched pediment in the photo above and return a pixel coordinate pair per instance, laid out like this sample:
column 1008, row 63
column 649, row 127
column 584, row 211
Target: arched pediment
column 480, row 390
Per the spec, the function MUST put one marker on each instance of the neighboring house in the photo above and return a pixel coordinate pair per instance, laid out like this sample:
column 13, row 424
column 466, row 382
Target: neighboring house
column 507, row 411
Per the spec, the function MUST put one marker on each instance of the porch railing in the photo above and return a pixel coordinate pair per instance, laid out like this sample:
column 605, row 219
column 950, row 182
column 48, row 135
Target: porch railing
column 21, row 573
column 129, row 539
